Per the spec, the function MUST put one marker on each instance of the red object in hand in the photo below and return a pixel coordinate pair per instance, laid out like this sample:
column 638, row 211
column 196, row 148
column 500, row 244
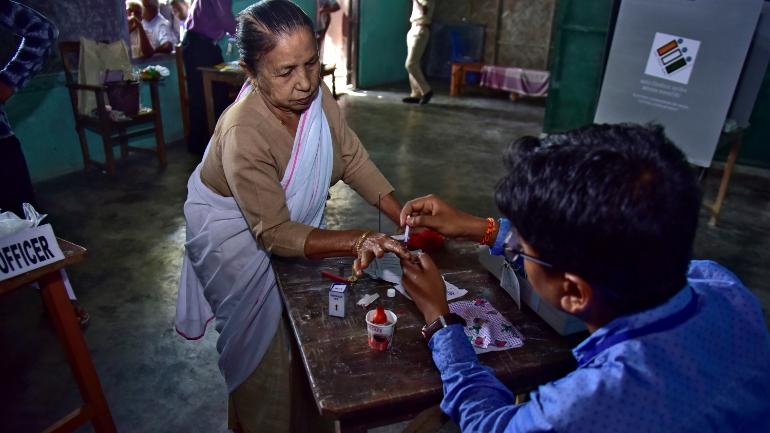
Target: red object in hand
column 379, row 316
column 426, row 240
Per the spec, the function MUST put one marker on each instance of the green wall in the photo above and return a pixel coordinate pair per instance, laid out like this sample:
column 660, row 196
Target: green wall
column 577, row 61
column 42, row 119
column 41, row 116
column 382, row 41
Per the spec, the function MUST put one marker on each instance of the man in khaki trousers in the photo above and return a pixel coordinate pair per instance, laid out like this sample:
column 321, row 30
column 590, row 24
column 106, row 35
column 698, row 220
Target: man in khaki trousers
column 416, row 41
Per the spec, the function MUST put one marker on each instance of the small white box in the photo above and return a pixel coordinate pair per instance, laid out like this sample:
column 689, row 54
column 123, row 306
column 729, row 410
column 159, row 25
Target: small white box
column 338, row 296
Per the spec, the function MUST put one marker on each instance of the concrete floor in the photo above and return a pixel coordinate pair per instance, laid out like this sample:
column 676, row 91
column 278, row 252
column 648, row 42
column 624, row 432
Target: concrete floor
column 133, row 227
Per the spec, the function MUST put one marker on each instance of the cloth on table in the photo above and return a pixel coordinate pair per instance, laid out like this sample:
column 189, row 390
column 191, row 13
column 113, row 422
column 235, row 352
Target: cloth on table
column 528, row 82
column 485, row 327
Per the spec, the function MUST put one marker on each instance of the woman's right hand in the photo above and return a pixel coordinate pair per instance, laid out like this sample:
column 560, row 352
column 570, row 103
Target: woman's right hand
column 376, row 245
column 434, row 213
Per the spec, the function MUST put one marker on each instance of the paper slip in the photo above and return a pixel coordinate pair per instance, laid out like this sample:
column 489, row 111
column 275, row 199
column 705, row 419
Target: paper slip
column 452, row 291
column 387, row 267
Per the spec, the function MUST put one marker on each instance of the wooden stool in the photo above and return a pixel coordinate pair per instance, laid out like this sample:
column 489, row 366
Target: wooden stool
column 458, row 76
column 94, row 408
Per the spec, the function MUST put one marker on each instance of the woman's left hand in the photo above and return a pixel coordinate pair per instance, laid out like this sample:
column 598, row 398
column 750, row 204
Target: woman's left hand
column 376, row 245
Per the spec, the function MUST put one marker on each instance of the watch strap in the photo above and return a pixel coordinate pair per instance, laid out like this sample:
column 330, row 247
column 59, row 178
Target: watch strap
column 441, row 322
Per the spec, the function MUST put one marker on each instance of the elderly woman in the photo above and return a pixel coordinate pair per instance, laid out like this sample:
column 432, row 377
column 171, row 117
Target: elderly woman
column 261, row 189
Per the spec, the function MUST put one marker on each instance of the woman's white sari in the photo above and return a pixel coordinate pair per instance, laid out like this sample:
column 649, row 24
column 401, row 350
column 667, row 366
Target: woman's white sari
column 226, row 273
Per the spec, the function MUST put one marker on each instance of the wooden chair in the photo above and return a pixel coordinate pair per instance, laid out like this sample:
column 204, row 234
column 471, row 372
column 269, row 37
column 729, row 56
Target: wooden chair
column 184, row 100
column 103, row 124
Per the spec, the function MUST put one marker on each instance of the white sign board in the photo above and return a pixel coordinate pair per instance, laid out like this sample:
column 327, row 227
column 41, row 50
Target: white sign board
column 27, row 250
column 677, row 63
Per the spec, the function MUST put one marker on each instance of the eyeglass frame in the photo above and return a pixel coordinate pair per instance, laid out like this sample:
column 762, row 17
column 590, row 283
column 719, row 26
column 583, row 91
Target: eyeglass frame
column 512, row 254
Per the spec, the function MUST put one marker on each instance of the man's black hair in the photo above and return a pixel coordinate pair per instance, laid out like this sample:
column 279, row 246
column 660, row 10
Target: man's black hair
column 615, row 204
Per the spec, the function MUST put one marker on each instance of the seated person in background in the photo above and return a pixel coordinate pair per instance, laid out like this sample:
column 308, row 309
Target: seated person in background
column 152, row 34
column 604, row 219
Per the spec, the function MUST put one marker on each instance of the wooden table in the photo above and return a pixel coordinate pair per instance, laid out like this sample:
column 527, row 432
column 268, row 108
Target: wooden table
column 360, row 388
column 236, row 78
column 457, row 78
column 62, row 315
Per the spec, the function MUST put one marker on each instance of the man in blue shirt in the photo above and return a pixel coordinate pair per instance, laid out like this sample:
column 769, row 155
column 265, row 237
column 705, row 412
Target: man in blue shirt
column 38, row 35
column 604, row 219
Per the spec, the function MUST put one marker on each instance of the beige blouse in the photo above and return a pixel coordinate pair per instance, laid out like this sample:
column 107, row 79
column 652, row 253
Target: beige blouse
column 249, row 152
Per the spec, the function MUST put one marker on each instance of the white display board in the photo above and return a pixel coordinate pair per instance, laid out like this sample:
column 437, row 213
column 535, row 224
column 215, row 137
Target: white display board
column 677, row 63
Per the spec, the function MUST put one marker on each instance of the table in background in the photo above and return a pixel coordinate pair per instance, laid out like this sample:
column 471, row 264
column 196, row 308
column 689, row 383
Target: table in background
column 360, row 388
column 67, row 326
column 232, row 77
column 235, row 78
column 457, row 77
column 518, row 81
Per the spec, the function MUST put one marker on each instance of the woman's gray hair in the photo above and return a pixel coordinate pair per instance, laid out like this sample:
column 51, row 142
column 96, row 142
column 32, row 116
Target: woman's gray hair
column 260, row 25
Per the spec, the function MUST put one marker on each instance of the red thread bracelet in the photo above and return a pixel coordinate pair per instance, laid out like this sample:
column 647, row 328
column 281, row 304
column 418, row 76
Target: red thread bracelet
column 491, row 226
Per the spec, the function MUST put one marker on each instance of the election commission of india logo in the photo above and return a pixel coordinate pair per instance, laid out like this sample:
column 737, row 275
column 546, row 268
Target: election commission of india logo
column 672, row 57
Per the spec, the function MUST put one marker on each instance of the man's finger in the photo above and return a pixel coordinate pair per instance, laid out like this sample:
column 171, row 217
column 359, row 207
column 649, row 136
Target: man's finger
column 426, row 262
column 420, row 205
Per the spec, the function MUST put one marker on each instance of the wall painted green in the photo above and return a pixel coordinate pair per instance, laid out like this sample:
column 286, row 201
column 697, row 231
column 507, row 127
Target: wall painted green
column 382, row 41
column 577, row 59
column 577, row 50
column 41, row 116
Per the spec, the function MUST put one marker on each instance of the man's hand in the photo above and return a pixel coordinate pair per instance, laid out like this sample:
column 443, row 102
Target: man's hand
column 5, row 92
column 424, row 284
column 434, row 213
column 133, row 23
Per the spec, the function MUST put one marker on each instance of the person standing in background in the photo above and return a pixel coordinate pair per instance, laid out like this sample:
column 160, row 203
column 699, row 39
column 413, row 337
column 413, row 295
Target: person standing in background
column 207, row 22
column 324, row 19
column 179, row 8
column 38, row 35
column 416, row 41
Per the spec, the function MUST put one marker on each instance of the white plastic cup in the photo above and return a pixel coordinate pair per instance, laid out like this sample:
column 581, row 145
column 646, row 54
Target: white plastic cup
column 381, row 336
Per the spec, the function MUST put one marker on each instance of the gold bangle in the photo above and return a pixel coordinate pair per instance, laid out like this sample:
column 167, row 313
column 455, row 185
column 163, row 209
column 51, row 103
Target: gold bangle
column 359, row 241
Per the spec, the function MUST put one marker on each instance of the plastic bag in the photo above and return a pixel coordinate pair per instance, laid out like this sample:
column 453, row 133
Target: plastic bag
column 10, row 223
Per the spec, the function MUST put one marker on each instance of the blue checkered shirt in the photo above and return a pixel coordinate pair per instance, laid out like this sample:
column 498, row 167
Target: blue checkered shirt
column 38, row 35
column 697, row 363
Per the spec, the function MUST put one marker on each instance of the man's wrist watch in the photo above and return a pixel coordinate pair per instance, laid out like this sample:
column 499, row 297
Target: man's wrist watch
column 441, row 322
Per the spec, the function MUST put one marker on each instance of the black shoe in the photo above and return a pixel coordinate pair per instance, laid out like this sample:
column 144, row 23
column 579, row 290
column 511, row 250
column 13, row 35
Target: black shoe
column 426, row 97
column 411, row 100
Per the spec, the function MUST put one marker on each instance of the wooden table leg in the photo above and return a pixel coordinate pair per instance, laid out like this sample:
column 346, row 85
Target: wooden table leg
column 454, row 83
column 71, row 337
column 726, row 175
column 208, row 96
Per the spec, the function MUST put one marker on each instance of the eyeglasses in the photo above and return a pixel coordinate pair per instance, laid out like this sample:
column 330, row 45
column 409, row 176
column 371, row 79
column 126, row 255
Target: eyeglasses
column 512, row 251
